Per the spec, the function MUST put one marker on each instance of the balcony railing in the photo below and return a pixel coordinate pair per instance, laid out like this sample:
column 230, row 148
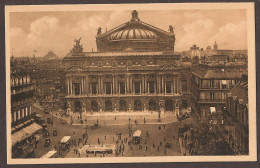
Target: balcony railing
column 211, row 101
column 21, row 90
column 122, row 95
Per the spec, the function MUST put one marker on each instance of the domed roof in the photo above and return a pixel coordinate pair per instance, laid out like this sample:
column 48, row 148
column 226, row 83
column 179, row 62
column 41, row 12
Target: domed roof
column 133, row 33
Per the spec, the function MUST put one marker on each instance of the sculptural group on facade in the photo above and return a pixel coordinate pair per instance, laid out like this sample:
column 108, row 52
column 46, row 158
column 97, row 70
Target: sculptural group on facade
column 77, row 47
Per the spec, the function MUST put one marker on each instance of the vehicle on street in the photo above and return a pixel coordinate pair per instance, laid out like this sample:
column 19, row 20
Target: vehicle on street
column 95, row 126
column 65, row 142
column 137, row 137
column 50, row 154
column 92, row 149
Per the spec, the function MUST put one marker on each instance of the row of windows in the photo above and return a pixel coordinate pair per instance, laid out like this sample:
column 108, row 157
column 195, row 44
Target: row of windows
column 20, row 114
column 237, row 110
column 135, row 76
column 169, row 87
column 21, row 102
column 137, row 105
column 20, row 81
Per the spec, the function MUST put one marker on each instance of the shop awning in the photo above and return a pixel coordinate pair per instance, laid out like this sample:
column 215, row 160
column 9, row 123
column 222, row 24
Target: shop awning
column 137, row 133
column 65, row 139
column 25, row 133
column 212, row 109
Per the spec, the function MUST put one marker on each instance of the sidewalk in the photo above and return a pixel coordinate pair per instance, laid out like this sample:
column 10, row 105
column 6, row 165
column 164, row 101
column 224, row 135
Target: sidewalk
column 117, row 118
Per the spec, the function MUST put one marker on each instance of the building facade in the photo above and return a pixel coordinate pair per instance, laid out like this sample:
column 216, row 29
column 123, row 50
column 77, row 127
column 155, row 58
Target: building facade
column 236, row 118
column 210, row 84
column 135, row 69
column 23, row 125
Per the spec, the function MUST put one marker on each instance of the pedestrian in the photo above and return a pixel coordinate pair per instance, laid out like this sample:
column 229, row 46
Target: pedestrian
column 146, row 148
column 144, row 120
column 98, row 141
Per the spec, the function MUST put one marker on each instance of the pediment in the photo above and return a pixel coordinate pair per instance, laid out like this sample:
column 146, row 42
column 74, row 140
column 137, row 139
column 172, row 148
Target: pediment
column 75, row 69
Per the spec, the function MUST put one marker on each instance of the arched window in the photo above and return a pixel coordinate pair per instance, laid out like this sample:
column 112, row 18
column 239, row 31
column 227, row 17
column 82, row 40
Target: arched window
column 108, row 105
column 168, row 105
column 77, row 106
column 152, row 105
column 137, row 105
column 94, row 106
column 122, row 105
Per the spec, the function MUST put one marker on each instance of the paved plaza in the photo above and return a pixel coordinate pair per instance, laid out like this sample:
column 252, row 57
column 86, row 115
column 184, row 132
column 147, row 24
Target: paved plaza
column 154, row 134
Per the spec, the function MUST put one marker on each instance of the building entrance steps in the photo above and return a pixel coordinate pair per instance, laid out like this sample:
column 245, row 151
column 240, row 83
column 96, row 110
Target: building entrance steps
column 119, row 118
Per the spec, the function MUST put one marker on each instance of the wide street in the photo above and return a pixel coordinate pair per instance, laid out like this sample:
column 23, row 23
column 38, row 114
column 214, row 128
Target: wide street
column 152, row 145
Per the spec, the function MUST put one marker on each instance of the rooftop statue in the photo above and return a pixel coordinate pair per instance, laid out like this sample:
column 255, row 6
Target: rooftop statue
column 135, row 16
column 77, row 42
column 171, row 29
column 77, row 47
column 99, row 31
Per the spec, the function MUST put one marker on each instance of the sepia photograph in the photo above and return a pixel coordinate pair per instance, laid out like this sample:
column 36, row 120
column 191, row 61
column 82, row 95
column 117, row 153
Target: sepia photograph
column 130, row 83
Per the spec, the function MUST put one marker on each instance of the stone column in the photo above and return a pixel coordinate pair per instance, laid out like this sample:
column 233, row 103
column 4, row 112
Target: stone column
column 162, row 85
column 70, row 85
column 174, row 85
column 86, row 85
column 171, row 87
column 177, row 110
column 145, row 83
column 148, row 88
column 82, row 86
column 142, row 83
column 127, row 84
column 178, row 85
column 102, row 85
column 158, row 84
column 113, row 86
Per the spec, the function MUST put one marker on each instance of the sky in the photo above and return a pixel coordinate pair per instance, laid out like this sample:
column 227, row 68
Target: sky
column 56, row 31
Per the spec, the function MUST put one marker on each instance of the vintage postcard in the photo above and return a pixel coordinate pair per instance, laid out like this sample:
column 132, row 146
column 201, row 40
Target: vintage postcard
column 130, row 83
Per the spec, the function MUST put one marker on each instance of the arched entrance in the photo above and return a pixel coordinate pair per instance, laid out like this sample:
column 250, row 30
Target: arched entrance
column 122, row 105
column 108, row 105
column 137, row 105
column 94, row 106
column 152, row 105
column 168, row 105
column 77, row 105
